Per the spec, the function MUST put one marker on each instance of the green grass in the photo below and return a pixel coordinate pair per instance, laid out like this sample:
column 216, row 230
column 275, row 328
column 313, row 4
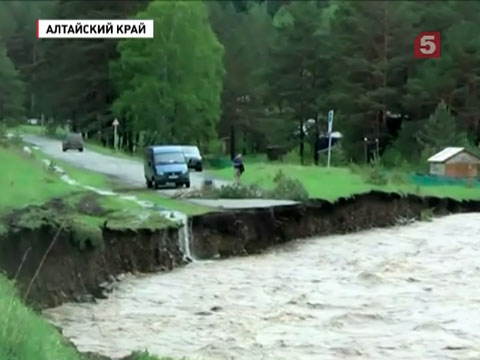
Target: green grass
column 112, row 152
column 83, row 176
column 24, row 335
column 328, row 184
column 39, row 130
column 331, row 184
column 28, row 182
column 122, row 213
column 25, row 181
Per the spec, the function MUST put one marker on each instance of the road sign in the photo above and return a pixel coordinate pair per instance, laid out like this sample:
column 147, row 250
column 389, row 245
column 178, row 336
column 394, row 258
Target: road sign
column 330, row 128
column 427, row 45
column 115, row 136
column 330, row 121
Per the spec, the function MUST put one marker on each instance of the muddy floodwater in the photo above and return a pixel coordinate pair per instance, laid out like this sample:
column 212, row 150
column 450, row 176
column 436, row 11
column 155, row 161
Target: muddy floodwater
column 409, row 292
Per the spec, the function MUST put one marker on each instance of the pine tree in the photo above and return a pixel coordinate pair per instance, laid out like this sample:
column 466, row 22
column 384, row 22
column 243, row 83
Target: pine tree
column 441, row 131
column 247, row 37
column 11, row 90
column 296, row 75
column 371, row 45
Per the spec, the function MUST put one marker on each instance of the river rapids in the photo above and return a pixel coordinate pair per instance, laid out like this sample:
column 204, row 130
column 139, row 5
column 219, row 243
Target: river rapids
column 400, row 293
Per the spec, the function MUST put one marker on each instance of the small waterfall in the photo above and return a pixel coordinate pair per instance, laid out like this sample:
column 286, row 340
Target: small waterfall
column 184, row 233
column 184, row 236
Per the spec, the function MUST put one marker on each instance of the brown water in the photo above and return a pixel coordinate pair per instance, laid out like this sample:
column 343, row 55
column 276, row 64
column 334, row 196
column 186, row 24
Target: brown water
column 402, row 293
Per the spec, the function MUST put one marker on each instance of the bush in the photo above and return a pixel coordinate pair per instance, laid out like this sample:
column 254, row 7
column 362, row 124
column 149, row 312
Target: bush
column 398, row 178
column 51, row 128
column 426, row 215
column 236, row 192
column 375, row 176
column 293, row 156
column 215, row 147
column 3, row 135
column 285, row 189
column 338, row 156
column 288, row 189
column 375, row 173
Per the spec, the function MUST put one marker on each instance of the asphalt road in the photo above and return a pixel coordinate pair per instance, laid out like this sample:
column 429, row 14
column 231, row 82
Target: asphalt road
column 130, row 172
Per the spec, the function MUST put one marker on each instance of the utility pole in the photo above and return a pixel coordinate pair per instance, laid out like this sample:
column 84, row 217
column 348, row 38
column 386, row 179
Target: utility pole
column 115, row 134
column 315, row 144
column 365, row 140
column 330, row 128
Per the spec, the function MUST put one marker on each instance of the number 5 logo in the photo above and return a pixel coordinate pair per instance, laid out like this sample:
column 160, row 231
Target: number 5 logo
column 427, row 45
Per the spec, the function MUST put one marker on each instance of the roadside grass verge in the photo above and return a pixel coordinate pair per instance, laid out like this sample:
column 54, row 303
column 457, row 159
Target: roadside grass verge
column 100, row 181
column 24, row 181
column 328, row 184
column 39, row 130
column 331, row 184
column 27, row 181
column 94, row 146
column 24, row 335
column 82, row 176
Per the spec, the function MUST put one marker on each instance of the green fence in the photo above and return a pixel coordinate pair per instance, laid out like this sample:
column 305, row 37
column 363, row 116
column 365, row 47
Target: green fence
column 432, row 180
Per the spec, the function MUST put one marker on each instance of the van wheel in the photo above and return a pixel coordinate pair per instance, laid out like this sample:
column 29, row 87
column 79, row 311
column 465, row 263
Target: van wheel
column 149, row 184
column 64, row 150
column 81, row 150
column 187, row 185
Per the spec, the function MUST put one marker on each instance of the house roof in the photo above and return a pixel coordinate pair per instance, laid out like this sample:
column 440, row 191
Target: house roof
column 446, row 154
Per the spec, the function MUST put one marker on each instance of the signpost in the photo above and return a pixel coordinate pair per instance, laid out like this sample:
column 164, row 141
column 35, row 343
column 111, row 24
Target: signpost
column 330, row 128
column 115, row 134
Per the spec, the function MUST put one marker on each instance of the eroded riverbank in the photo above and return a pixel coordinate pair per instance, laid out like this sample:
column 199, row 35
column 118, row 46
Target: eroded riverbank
column 400, row 293
column 70, row 273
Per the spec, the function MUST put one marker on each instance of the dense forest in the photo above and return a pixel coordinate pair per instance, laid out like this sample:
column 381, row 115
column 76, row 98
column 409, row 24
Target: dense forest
column 256, row 73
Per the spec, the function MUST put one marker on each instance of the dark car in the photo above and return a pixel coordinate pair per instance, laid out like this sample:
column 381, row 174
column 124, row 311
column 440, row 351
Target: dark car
column 165, row 165
column 73, row 142
column 194, row 159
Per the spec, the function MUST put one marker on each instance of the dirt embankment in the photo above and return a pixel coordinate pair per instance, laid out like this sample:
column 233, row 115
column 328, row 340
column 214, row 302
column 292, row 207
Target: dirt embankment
column 70, row 273
column 73, row 274
column 249, row 231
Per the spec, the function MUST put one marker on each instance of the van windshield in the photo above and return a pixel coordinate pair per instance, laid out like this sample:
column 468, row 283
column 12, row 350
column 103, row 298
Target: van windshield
column 169, row 158
column 191, row 150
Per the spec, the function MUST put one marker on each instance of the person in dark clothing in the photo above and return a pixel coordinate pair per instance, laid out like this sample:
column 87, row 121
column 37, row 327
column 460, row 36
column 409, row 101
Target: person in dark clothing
column 238, row 167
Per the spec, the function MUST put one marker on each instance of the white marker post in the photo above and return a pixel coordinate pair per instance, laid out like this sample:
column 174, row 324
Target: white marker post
column 115, row 135
column 330, row 128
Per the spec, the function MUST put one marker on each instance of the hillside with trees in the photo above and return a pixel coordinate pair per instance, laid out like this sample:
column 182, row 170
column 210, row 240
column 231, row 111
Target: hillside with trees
column 251, row 74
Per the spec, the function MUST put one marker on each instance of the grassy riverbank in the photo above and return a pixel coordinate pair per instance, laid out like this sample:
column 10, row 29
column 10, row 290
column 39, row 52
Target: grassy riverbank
column 25, row 335
column 26, row 180
column 331, row 184
column 33, row 193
